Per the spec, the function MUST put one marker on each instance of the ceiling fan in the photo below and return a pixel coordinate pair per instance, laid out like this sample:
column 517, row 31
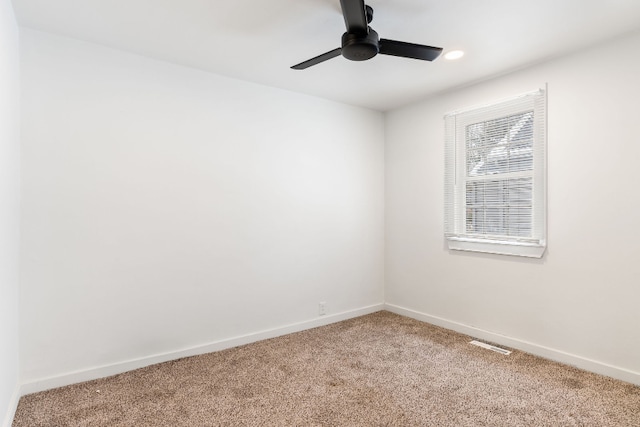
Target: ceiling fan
column 361, row 42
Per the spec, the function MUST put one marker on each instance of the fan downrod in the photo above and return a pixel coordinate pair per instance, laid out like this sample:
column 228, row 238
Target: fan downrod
column 360, row 47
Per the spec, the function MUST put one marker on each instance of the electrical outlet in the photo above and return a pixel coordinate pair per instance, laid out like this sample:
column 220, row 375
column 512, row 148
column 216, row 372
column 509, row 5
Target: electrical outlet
column 322, row 308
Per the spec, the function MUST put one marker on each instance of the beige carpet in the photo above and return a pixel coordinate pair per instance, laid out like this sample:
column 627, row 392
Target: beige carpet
column 377, row 370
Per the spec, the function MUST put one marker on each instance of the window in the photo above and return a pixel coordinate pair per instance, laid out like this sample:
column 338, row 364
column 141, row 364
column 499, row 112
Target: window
column 495, row 170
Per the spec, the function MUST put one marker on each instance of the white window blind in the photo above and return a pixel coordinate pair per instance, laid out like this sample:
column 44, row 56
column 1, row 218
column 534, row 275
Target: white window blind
column 495, row 177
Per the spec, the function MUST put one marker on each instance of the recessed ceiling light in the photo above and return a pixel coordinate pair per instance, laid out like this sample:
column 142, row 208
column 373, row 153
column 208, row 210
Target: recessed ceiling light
column 454, row 54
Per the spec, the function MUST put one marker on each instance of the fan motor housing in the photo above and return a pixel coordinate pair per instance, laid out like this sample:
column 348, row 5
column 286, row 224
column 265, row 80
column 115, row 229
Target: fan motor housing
column 360, row 47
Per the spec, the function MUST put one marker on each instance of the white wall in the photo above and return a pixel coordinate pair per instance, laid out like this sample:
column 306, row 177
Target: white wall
column 579, row 303
column 9, row 209
column 166, row 208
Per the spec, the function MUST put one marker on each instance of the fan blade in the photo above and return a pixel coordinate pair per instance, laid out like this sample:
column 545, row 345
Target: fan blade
column 409, row 50
column 355, row 16
column 318, row 59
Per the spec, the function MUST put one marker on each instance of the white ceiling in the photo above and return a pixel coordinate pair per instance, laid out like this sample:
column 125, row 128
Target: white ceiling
column 258, row 40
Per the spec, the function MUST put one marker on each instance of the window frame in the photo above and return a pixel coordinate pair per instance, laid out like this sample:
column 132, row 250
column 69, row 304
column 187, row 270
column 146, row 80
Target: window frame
column 456, row 178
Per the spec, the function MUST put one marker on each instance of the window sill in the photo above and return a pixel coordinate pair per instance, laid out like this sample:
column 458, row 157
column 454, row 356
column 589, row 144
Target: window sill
column 529, row 250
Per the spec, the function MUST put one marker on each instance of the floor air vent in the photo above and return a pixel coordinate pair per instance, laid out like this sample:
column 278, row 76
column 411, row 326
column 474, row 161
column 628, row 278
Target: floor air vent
column 491, row 347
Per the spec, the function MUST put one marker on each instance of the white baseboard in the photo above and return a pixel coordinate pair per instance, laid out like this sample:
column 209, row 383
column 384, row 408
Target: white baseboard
column 118, row 368
column 13, row 405
column 535, row 349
